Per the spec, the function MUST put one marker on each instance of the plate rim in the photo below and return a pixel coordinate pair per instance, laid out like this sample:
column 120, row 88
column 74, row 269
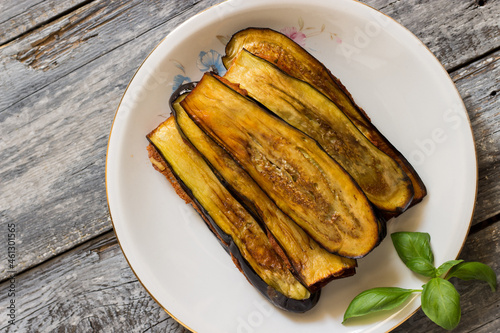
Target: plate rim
column 410, row 33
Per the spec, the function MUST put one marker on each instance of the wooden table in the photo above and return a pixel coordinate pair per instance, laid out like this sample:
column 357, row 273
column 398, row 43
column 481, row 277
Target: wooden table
column 64, row 67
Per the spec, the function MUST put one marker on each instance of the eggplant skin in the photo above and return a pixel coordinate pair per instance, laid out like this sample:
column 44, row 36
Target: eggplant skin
column 299, row 176
column 296, row 61
column 313, row 265
column 302, row 106
column 239, row 233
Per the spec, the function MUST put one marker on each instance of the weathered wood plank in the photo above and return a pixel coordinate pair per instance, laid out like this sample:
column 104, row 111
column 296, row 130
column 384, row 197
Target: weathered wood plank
column 53, row 148
column 455, row 36
column 479, row 86
column 53, row 140
column 91, row 288
column 69, row 204
column 12, row 8
column 14, row 23
column 46, row 54
column 457, row 32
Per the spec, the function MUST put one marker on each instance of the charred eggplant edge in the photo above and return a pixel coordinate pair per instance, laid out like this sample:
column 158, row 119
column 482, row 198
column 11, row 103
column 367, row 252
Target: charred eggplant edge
column 405, row 178
column 420, row 190
column 247, row 203
column 274, row 296
column 379, row 216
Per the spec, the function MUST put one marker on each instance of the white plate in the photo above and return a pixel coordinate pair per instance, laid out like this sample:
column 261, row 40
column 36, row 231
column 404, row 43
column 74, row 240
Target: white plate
column 390, row 73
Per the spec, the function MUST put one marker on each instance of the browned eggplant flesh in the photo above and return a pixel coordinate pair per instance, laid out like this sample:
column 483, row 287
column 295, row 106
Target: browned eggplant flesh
column 313, row 265
column 297, row 62
column 299, row 176
column 246, row 241
column 285, row 169
column 302, row 106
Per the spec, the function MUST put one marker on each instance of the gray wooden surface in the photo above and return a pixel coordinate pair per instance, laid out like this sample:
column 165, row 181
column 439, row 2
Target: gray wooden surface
column 62, row 74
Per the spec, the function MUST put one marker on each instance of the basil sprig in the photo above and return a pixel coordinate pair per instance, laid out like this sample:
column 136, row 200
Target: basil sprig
column 440, row 299
column 377, row 299
column 441, row 303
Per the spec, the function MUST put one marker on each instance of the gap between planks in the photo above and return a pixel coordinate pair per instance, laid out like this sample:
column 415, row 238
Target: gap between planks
column 50, row 20
column 473, row 60
column 483, row 224
column 111, row 242
column 473, row 230
column 41, row 87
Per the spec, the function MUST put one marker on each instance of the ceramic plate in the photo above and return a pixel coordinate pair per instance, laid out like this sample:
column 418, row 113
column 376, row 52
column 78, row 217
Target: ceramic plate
column 390, row 73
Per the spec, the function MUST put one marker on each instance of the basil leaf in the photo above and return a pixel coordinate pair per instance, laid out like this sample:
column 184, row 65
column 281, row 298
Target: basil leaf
column 376, row 299
column 411, row 246
column 474, row 271
column 446, row 266
column 441, row 303
column 422, row 266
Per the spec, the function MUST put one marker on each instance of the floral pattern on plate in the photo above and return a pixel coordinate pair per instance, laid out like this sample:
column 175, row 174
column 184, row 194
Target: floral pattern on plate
column 207, row 61
column 212, row 60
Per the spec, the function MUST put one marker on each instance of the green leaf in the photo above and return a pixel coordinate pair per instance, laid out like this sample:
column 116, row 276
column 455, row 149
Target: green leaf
column 446, row 267
column 441, row 303
column 376, row 299
column 422, row 266
column 474, row 271
column 415, row 251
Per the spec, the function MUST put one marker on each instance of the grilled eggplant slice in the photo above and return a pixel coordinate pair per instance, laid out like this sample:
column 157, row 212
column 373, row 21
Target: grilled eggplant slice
column 313, row 265
column 302, row 106
column 294, row 60
column 247, row 241
column 300, row 177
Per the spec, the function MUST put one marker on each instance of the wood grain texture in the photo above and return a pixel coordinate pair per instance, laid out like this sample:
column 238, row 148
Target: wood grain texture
column 53, row 148
column 92, row 289
column 456, row 31
column 14, row 23
column 70, row 199
column 479, row 86
column 9, row 9
column 48, row 53
column 60, row 84
column 82, row 36
column 65, row 295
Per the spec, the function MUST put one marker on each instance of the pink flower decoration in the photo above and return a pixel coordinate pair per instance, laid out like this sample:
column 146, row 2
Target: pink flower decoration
column 298, row 36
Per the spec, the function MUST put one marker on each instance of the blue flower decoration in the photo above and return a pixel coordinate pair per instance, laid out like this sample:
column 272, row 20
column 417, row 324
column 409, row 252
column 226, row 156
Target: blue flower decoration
column 178, row 80
column 210, row 61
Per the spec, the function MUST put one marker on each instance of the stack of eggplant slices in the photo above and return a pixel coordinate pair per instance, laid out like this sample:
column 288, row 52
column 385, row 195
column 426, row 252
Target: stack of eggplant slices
column 286, row 170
